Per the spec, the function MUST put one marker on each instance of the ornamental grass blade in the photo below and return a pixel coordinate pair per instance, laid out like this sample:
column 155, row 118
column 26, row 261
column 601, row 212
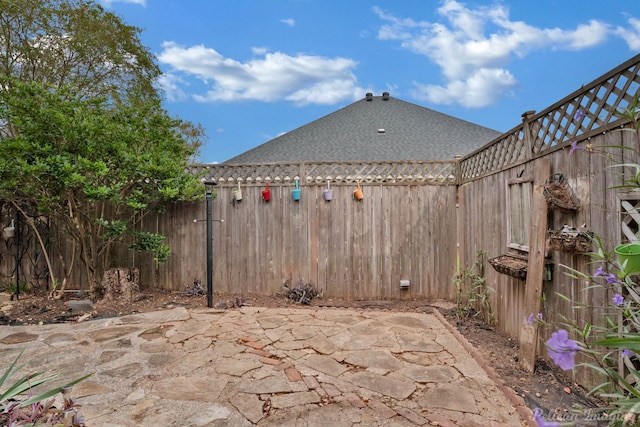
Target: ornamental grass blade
column 7, row 373
column 52, row 392
column 586, row 331
column 629, row 342
column 28, row 382
column 631, row 405
column 633, row 294
column 623, row 382
column 25, row 384
column 602, row 386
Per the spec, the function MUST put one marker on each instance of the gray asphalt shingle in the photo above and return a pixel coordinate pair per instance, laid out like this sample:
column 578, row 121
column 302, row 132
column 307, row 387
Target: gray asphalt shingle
column 372, row 130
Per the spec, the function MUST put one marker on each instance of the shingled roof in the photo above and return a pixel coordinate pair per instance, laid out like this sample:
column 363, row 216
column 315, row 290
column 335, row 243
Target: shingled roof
column 371, row 129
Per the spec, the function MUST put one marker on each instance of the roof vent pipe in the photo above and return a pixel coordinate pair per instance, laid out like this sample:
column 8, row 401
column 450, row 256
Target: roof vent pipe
column 385, row 96
column 369, row 96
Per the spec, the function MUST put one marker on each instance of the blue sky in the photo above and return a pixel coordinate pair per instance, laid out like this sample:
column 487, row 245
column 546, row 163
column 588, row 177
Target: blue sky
column 251, row 70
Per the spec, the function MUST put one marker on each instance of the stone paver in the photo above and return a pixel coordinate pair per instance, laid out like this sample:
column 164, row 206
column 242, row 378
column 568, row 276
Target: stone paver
column 294, row 399
column 384, row 385
column 374, row 358
column 268, row 367
column 325, row 364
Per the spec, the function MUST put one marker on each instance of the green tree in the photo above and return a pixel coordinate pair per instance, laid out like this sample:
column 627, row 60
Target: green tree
column 75, row 43
column 84, row 139
column 78, row 45
column 95, row 168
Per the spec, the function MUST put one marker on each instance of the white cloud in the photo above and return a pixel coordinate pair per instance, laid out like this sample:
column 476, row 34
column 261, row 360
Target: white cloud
column 473, row 47
column 302, row 79
column 109, row 3
column 583, row 37
column 326, row 92
column 631, row 35
column 289, row 21
column 397, row 29
column 170, row 85
column 478, row 90
column 259, row 50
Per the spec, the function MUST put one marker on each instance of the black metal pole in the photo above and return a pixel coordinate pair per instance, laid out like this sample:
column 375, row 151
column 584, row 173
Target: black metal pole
column 209, row 250
column 17, row 243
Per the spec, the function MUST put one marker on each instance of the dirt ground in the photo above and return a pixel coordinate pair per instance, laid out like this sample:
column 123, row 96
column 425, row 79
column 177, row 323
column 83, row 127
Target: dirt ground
column 549, row 388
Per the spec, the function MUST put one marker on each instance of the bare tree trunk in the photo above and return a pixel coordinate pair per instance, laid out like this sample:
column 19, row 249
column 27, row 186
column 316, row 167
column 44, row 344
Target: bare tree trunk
column 32, row 224
column 58, row 293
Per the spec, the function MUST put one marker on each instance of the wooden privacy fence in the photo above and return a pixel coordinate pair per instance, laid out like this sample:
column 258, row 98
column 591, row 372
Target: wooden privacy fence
column 346, row 247
column 585, row 119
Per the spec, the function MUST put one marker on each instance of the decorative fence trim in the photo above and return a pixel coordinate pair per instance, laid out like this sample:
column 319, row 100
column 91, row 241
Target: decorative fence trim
column 389, row 172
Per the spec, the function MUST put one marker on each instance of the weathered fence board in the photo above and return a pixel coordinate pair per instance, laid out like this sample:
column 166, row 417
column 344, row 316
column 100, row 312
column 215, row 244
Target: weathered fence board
column 347, row 248
column 535, row 267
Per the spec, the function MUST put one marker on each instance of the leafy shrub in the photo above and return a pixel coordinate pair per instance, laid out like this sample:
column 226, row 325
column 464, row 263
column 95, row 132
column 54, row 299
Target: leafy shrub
column 15, row 410
column 472, row 292
column 10, row 287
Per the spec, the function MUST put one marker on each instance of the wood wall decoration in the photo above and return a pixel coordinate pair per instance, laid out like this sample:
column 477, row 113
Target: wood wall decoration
column 295, row 192
column 559, row 194
column 357, row 193
column 578, row 242
column 327, row 193
column 510, row 265
column 266, row 193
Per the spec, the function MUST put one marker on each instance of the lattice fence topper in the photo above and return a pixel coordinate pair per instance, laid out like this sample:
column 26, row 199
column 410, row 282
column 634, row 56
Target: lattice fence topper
column 418, row 172
column 630, row 221
column 577, row 116
column 508, row 150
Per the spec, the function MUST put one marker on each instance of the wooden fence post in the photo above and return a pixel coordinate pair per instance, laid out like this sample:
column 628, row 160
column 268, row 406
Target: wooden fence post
column 535, row 266
column 526, row 133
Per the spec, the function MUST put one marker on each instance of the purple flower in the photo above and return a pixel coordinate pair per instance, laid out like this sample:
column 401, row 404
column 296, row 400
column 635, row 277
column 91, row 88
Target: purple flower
column 537, row 415
column 579, row 115
column 627, row 353
column 609, row 277
column 618, row 300
column 600, row 272
column 532, row 319
column 562, row 350
column 574, row 147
